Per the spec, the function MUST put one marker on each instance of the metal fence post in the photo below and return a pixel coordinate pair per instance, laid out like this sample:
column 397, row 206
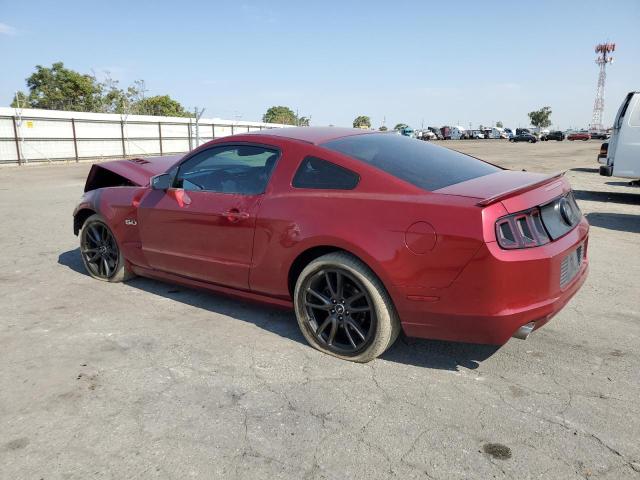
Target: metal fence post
column 213, row 131
column 15, row 136
column 160, row 135
column 232, row 129
column 124, row 150
column 189, row 131
column 75, row 139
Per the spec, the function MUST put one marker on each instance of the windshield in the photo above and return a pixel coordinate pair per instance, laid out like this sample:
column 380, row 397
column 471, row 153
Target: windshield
column 422, row 164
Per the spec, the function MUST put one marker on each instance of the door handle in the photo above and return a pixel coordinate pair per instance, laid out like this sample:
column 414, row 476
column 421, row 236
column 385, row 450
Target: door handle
column 234, row 215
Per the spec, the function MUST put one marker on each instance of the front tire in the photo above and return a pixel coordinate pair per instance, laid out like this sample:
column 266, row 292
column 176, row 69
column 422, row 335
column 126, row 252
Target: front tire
column 343, row 308
column 100, row 252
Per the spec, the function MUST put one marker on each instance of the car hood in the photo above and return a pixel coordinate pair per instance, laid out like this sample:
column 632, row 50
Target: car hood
column 138, row 171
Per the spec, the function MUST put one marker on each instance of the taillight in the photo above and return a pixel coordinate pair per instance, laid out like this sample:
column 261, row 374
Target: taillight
column 521, row 230
column 604, row 148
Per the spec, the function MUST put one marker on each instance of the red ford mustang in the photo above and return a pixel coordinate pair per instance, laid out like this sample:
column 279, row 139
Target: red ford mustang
column 579, row 136
column 364, row 234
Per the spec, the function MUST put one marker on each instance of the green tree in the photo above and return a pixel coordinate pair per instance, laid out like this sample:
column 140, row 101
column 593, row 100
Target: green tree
column 499, row 124
column 541, row 118
column 401, row 126
column 362, row 121
column 383, row 128
column 161, row 105
column 114, row 99
column 59, row 88
column 280, row 114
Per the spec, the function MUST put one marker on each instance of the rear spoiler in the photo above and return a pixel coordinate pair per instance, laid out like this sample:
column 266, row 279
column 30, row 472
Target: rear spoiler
column 521, row 189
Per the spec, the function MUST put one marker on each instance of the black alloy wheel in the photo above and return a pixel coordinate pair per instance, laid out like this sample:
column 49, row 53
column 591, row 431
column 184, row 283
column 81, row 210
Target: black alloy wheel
column 99, row 250
column 340, row 312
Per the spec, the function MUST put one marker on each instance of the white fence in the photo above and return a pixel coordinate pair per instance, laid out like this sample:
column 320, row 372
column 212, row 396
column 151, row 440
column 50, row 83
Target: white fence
column 30, row 135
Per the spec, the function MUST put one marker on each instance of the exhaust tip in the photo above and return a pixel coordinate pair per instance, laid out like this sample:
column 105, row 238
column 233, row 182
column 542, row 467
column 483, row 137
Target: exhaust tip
column 523, row 332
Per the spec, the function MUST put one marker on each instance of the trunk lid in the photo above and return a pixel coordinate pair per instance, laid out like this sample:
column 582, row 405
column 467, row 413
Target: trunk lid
column 516, row 190
column 522, row 193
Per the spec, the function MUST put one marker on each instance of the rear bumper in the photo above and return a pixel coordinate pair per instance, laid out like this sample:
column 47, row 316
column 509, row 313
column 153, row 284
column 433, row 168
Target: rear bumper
column 498, row 292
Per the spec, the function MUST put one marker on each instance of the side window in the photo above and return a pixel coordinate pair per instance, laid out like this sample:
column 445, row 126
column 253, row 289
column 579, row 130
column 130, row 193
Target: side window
column 243, row 169
column 321, row 174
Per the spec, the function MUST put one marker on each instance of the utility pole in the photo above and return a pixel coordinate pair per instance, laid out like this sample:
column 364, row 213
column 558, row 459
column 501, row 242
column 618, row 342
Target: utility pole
column 19, row 122
column 197, row 114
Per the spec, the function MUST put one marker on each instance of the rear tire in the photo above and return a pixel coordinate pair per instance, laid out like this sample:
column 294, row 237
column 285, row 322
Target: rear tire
column 100, row 252
column 332, row 321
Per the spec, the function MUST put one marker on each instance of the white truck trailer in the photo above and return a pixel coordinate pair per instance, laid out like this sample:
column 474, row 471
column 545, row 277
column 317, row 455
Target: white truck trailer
column 458, row 132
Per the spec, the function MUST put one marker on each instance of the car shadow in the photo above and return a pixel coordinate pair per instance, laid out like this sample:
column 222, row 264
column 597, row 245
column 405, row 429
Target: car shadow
column 622, row 222
column 585, row 169
column 614, row 197
column 439, row 354
column 423, row 353
column 628, row 183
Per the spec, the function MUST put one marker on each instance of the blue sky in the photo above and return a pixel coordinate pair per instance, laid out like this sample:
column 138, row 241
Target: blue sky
column 437, row 62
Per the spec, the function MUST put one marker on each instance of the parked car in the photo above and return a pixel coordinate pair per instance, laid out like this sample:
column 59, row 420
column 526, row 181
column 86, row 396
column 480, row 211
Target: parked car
column 427, row 135
column 437, row 132
column 477, row 134
column 521, row 131
column 556, row 135
column 600, row 135
column 287, row 216
column 407, row 132
column 524, row 137
column 579, row 136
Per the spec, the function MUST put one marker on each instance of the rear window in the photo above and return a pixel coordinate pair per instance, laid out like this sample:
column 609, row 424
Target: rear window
column 423, row 164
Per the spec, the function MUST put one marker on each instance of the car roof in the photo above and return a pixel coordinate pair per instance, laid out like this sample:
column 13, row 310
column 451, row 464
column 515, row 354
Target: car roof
column 314, row 135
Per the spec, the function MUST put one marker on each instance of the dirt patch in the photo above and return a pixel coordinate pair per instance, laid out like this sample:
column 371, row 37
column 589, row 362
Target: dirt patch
column 497, row 451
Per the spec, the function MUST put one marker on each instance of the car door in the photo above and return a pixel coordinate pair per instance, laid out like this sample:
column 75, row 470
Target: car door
column 203, row 226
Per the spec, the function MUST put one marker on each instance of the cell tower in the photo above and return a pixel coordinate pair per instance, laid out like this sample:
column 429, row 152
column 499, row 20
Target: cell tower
column 603, row 50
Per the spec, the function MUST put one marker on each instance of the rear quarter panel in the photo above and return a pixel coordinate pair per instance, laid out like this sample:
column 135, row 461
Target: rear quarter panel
column 368, row 224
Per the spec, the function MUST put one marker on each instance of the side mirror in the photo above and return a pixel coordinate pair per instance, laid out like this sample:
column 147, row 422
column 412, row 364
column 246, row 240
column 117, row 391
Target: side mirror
column 161, row 182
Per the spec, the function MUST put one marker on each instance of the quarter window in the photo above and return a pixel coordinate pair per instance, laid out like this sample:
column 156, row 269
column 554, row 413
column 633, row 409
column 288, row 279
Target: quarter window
column 321, row 174
column 243, row 169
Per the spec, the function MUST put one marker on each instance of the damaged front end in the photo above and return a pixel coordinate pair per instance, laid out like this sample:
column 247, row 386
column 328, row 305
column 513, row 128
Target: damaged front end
column 133, row 172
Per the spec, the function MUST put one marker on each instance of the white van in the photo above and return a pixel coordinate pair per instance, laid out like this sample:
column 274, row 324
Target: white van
column 620, row 156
